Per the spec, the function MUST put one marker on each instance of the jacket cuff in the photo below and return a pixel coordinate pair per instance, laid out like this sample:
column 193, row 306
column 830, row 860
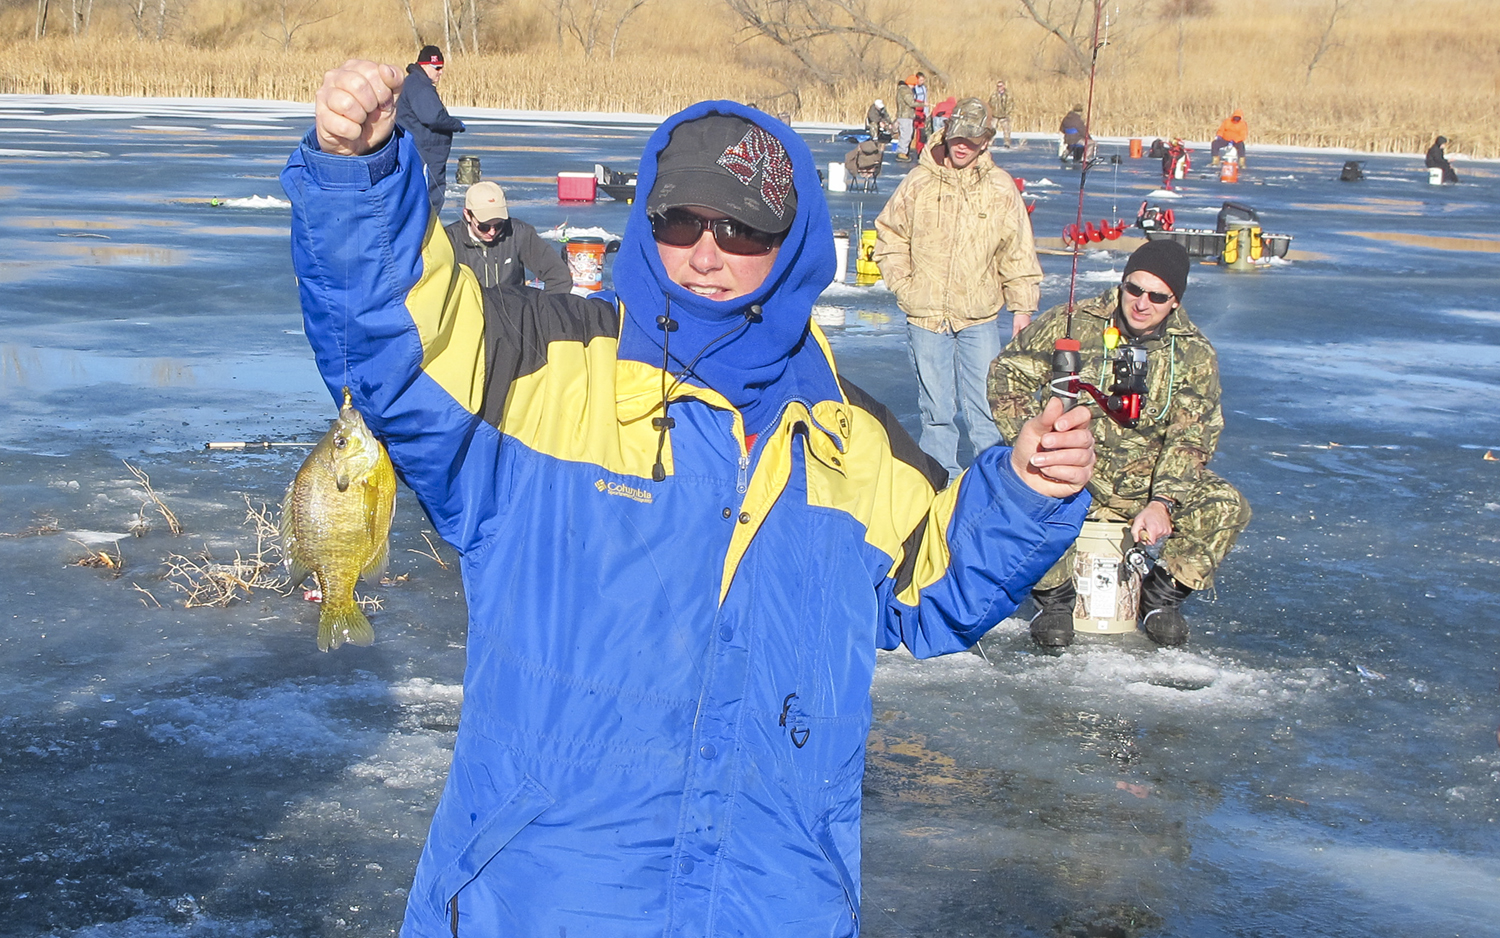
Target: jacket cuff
column 331, row 171
column 1033, row 504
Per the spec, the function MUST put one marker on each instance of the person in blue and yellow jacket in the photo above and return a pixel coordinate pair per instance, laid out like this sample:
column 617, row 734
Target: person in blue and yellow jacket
column 684, row 536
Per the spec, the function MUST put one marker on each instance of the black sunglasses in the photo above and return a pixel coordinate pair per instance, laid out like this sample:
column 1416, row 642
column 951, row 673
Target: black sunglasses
column 680, row 229
column 1152, row 295
column 485, row 227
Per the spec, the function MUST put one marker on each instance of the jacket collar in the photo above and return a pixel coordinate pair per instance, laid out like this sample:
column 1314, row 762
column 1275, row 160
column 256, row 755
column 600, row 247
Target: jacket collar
column 1106, row 305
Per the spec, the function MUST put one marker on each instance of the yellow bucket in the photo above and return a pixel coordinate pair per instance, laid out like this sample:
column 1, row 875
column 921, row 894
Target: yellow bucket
column 866, row 272
column 1109, row 591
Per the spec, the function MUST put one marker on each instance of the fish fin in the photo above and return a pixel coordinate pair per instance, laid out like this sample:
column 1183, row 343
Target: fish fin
column 339, row 623
column 298, row 571
column 376, row 517
column 286, row 525
column 376, row 568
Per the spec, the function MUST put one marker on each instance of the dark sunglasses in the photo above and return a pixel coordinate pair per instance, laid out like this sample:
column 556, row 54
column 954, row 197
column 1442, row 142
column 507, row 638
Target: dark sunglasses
column 485, row 227
column 680, row 229
column 1152, row 295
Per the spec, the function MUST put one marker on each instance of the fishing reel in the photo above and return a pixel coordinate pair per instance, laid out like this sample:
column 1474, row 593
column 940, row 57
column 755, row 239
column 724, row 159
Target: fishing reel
column 1128, row 368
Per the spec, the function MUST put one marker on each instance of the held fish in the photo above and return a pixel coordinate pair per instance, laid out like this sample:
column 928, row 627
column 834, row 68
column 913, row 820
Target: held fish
column 336, row 523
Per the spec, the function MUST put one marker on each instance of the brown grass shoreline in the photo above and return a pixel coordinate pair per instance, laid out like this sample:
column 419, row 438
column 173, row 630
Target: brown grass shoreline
column 1400, row 73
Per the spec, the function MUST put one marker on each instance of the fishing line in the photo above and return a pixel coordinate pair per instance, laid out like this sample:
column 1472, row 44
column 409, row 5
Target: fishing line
column 1088, row 136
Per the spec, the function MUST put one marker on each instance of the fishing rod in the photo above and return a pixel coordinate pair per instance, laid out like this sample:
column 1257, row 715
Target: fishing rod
column 1123, row 403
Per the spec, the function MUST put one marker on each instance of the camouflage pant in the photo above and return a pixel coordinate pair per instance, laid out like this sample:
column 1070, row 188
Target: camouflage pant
column 1204, row 529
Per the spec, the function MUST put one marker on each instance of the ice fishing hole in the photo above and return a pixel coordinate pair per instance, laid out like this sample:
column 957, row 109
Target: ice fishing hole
column 1181, row 683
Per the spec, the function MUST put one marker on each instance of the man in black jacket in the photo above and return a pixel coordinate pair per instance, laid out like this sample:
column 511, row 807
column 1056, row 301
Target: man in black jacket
column 422, row 113
column 497, row 246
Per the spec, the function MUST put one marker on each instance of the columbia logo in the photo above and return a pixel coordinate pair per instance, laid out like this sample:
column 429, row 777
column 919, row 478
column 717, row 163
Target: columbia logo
column 625, row 491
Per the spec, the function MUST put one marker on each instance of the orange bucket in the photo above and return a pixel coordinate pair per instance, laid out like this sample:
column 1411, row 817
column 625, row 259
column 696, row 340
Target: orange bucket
column 586, row 262
column 1229, row 171
column 1135, row 148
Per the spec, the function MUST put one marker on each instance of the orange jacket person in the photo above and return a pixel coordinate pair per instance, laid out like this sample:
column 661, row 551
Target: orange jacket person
column 1232, row 132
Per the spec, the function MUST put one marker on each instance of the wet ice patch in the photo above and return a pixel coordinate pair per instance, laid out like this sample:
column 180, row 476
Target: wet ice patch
column 1488, row 316
column 286, row 719
column 1114, row 674
column 158, row 926
column 1164, row 678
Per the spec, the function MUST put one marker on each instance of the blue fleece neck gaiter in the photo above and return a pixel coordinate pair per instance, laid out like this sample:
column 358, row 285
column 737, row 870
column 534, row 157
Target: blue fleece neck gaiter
column 763, row 365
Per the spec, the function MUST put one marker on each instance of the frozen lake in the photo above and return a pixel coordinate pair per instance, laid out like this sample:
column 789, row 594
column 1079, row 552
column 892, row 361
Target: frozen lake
column 1320, row 760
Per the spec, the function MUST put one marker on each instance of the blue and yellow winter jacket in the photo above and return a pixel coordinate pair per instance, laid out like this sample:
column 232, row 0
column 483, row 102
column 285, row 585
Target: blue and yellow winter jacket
column 667, row 690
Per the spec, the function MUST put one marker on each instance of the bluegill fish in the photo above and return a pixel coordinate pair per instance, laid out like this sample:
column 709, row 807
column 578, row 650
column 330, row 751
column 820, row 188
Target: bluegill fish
column 336, row 523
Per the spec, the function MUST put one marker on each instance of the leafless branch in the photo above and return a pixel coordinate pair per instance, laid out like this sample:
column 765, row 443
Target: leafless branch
column 1326, row 42
column 166, row 513
column 430, row 552
column 1041, row 14
column 114, row 563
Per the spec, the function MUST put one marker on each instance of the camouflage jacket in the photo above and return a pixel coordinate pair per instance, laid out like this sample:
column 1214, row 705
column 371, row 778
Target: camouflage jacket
column 1000, row 106
column 955, row 245
column 1180, row 423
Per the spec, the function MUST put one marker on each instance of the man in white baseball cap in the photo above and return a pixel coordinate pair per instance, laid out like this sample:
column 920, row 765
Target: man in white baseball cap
column 500, row 248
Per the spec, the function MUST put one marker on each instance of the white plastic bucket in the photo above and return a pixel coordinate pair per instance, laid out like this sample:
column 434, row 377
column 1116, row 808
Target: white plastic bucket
column 1109, row 592
column 1435, row 175
column 837, row 179
column 841, row 256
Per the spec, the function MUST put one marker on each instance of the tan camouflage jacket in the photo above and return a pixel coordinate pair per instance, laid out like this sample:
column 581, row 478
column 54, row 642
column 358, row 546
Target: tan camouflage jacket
column 1180, row 421
column 999, row 106
column 955, row 245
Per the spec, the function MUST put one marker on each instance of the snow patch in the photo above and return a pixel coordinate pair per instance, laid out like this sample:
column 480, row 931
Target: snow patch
column 256, row 201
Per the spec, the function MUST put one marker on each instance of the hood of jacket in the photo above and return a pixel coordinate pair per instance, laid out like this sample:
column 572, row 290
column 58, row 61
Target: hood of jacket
column 757, row 364
column 414, row 70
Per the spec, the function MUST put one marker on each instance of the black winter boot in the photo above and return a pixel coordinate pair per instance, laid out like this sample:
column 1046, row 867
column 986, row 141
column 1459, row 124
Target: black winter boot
column 1052, row 626
column 1161, row 617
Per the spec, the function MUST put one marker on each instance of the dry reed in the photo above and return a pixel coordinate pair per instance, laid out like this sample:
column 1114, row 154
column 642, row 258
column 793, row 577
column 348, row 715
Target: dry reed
column 140, row 527
column 1397, row 74
column 207, row 582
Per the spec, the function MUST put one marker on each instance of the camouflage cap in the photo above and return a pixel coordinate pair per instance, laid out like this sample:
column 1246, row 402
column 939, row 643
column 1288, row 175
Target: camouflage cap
column 969, row 120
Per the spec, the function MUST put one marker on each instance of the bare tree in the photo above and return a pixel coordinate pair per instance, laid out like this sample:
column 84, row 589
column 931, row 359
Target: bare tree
column 833, row 42
column 1336, row 9
column 135, row 10
column 1071, row 22
column 411, row 20
column 1178, row 12
column 294, row 15
column 587, row 21
column 41, row 18
column 630, row 7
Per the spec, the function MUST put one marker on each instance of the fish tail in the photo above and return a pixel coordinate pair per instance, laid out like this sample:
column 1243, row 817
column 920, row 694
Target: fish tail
column 342, row 622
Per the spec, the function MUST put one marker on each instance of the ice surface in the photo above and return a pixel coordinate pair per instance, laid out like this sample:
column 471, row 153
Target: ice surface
column 1321, row 759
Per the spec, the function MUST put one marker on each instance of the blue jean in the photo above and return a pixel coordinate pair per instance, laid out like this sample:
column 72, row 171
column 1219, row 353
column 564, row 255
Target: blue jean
column 952, row 369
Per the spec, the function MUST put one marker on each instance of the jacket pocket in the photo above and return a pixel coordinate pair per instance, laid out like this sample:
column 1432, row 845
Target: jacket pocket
column 485, row 805
column 835, row 858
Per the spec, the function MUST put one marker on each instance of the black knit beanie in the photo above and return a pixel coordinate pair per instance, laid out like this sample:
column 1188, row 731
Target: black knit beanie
column 1166, row 259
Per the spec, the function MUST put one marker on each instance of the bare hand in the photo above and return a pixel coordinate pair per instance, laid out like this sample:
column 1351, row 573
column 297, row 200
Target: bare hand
column 1019, row 321
column 356, row 107
column 1152, row 525
column 1054, row 452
